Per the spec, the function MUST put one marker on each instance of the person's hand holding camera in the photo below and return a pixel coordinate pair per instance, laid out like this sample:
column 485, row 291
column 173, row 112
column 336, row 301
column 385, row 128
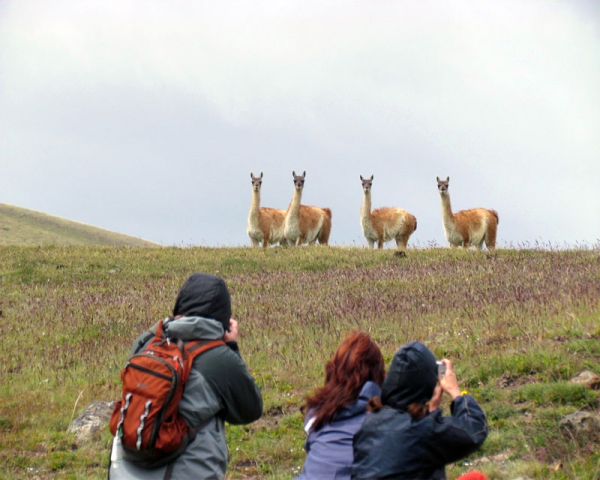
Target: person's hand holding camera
column 448, row 382
column 436, row 400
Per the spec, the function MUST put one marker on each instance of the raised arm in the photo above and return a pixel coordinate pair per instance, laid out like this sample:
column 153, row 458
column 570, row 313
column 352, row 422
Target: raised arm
column 463, row 432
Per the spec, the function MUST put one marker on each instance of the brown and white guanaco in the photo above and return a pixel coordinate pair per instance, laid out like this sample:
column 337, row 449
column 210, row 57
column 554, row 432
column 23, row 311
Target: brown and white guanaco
column 384, row 224
column 467, row 227
column 264, row 224
column 305, row 224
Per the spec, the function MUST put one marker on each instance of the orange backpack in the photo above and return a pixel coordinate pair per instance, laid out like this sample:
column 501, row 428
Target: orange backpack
column 146, row 419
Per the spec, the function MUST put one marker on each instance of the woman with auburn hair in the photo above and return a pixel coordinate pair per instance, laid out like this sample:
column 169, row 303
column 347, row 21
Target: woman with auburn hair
column 336, row 410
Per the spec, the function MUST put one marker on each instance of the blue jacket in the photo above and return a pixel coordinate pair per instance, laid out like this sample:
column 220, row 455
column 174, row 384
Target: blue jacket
column 392, row 445
column 329, row 450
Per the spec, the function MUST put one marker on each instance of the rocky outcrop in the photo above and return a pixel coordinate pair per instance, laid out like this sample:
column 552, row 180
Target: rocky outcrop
column 589, row 379
column 93, row 418
column 579, row 423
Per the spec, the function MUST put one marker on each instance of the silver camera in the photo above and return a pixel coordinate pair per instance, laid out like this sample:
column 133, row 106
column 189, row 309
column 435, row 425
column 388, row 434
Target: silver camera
column 441, row 369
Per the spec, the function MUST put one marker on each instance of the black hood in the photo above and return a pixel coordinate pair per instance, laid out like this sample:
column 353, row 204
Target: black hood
column 411, row 378
column 206, row 296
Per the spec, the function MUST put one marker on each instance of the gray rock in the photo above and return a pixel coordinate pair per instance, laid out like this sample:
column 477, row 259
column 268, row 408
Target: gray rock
column 580, row 422
column 94, row 417
column 587, row 378
column 499, row 458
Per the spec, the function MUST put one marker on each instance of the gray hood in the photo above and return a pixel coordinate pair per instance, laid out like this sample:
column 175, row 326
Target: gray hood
column 192, row 328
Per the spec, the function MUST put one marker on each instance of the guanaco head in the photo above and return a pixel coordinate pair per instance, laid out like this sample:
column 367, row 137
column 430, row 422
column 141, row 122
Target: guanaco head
column 256, row 181
column 443, row 185
column 367, row 183
column 299, row 180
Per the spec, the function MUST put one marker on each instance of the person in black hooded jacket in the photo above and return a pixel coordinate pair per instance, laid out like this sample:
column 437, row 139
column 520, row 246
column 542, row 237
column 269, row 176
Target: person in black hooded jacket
column 407, row 437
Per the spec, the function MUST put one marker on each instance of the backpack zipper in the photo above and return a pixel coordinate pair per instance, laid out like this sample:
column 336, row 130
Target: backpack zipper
column 161, row 413
column 147, row 370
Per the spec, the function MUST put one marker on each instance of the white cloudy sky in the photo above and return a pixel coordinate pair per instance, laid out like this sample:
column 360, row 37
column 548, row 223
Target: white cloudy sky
column 146, row 117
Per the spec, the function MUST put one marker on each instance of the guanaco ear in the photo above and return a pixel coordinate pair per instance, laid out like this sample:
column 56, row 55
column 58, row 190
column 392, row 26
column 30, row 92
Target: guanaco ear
column 293, row 173
column 362, row 179
column 304, row 173
column 372, row 176
column 447, row 179
column 438, row 179
column 260, row 174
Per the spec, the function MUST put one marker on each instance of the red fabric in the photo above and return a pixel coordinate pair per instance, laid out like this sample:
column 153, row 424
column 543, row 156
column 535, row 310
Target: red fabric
column 473, row 476
column 153, row 377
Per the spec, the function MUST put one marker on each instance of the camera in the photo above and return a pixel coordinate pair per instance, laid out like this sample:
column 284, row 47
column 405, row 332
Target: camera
column 441, row 369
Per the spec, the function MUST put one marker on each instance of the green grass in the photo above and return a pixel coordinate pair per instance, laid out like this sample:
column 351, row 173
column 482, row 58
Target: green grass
column 518, row 325
column 20, row 226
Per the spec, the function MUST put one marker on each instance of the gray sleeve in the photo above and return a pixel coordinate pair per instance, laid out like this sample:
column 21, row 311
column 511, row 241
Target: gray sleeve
column 199, row 401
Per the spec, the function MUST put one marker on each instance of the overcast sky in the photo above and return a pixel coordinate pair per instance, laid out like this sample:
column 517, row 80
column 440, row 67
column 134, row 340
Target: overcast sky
column 146, row 117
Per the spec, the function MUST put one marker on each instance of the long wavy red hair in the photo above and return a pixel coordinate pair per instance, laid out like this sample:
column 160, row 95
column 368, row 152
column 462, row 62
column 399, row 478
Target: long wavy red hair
column 357, row 360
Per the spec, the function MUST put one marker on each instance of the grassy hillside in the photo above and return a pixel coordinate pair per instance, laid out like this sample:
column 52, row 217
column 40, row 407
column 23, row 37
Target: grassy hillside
column 518, row 325
column 20, row 226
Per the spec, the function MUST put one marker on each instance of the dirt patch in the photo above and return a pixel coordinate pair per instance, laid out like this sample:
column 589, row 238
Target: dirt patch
column 512, row 381
column 498, row 340
column 247, row 466
column 272, row 416
column 275, row 411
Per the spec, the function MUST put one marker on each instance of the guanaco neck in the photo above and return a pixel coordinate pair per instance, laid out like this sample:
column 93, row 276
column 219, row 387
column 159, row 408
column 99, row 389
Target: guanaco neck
column 255, row 205
column 447, row 215
column 365, row 210
column 294, row 207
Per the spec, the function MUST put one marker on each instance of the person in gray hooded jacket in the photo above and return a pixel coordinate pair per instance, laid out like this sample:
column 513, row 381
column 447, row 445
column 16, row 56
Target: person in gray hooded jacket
column 220, row 387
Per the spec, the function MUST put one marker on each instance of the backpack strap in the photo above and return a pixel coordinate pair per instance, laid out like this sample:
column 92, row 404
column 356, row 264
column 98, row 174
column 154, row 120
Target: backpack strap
column 191, row 437
column 197, row 347
column 194, row 431
column 149, row 334
column 190, row 351
column 157, row 330
column 169, row 471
